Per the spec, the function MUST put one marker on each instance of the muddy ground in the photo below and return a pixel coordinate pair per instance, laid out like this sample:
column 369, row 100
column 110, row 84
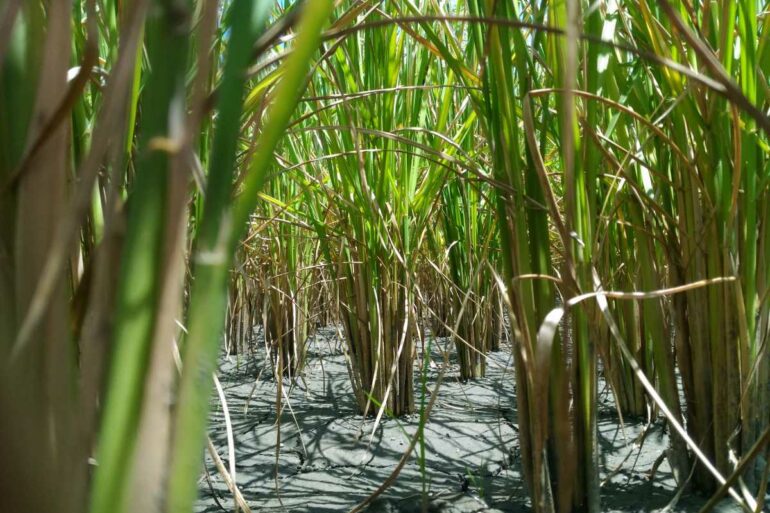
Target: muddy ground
column 330, row 461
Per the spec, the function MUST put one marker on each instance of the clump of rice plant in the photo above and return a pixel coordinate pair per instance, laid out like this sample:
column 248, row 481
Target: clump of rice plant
column 379, row 197
column 285, row 313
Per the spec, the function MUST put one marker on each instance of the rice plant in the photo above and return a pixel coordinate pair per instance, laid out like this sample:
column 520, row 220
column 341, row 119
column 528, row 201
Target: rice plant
column 466, row 221
column 583, row 184
column 379, row 199
column 131, row 289
column 286, row 316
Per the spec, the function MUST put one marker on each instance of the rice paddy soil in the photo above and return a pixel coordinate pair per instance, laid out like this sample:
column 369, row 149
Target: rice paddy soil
column 330, row 460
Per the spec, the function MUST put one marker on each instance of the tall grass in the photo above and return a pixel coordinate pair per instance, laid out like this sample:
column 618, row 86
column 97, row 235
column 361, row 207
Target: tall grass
column 468, row 217
column 368, row 136
column 287, row 309
column 594, row 174
column 135, row 219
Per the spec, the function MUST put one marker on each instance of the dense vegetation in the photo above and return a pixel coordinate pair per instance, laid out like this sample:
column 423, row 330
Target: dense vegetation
column 174, row 172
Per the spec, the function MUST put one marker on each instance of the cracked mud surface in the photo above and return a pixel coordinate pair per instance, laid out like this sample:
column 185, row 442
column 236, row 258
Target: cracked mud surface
column 330, row 460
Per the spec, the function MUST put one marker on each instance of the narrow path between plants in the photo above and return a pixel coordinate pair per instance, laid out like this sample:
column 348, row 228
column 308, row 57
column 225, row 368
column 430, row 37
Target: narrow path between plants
column 471, row 444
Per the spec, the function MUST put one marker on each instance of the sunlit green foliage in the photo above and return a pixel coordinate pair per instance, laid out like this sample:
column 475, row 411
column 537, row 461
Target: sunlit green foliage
column 595, row 174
